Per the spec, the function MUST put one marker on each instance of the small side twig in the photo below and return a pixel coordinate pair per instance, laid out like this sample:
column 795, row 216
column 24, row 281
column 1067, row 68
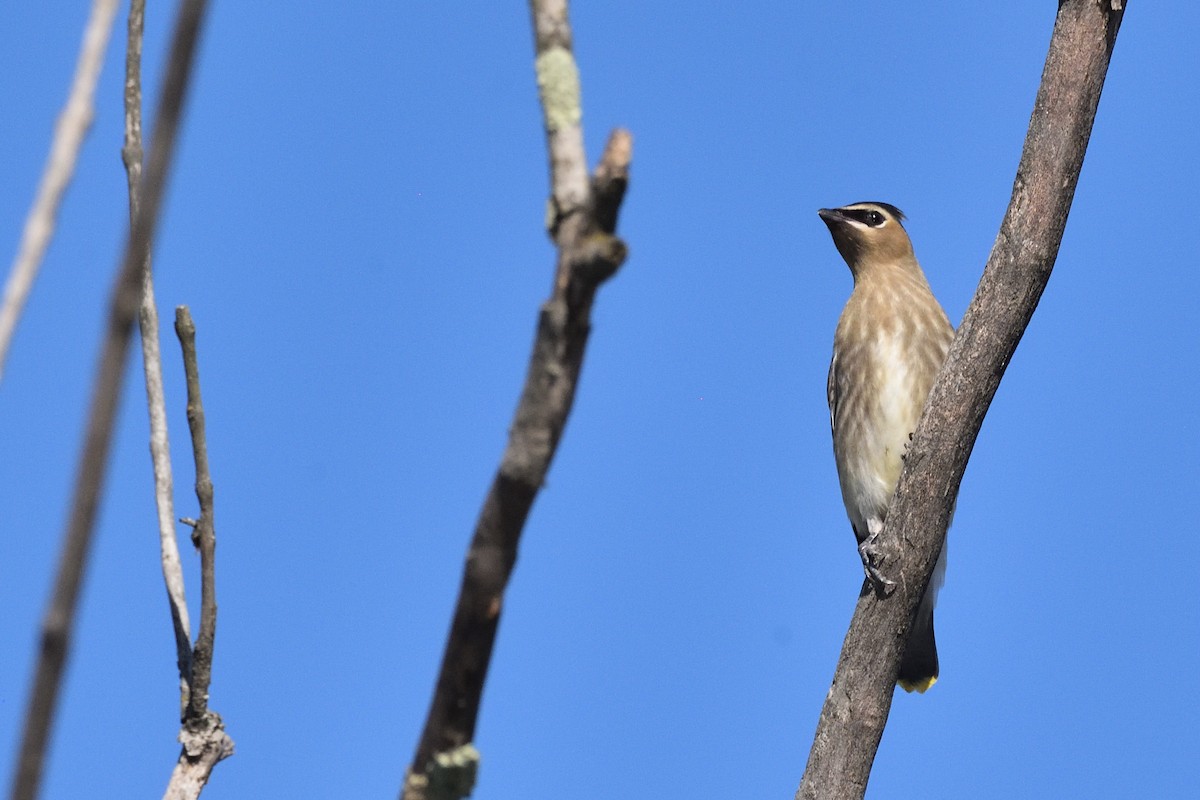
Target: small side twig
column 58, row 623
column 202, row 734
column 203, row 531
column 160, row 448
column 69, row 133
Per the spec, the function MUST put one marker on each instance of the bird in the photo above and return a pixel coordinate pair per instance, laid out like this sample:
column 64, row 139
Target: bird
column 891, row 340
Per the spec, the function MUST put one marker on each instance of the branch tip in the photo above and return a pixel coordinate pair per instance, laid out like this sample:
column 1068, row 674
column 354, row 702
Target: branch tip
column 611, row 179
column 618, row 154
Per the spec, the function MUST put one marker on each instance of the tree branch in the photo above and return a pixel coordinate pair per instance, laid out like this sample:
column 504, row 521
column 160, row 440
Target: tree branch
column 205, row 742
column 123, row 306
column 856, row 708
column 582, row 221
column 160, row 448
column 69, row 132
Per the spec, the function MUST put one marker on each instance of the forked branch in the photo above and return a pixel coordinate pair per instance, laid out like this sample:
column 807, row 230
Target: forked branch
column 582, row 219
column 58, row 623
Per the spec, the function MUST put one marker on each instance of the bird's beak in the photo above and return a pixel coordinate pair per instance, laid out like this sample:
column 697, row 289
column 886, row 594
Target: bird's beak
column 831, row 215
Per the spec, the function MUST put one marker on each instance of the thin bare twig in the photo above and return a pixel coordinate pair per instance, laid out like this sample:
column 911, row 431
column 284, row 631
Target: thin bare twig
column 203, row 532
column 856, row 708
column 205, row 742
column 582, row 221
column 124, row 301
column 160, row 448
column 69, row 132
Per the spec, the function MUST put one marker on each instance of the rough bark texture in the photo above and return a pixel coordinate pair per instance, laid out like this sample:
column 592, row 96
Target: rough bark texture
column 856, row 708
column 582, row 219
column 204, row 745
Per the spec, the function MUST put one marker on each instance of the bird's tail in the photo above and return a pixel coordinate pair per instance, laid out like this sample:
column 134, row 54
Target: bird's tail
column 919, row 666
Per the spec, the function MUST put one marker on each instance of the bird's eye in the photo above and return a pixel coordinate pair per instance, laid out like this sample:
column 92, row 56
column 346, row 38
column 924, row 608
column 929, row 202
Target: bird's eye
column 874, row 219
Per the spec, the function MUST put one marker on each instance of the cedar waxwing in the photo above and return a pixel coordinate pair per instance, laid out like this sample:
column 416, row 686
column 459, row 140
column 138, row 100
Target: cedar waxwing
column 890, row 343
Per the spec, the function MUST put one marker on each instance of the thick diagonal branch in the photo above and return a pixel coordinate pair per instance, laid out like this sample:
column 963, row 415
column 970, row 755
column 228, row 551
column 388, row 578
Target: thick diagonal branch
column 582, row 220
column 857, row 706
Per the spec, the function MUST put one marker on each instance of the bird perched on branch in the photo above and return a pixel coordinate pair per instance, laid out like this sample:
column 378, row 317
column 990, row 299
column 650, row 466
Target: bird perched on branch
column 890, row 343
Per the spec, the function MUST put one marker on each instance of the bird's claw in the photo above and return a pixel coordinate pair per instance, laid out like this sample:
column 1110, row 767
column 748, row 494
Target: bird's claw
column 872, row 557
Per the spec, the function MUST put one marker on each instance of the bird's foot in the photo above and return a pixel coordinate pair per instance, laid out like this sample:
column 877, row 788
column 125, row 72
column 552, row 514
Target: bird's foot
column 873, row 557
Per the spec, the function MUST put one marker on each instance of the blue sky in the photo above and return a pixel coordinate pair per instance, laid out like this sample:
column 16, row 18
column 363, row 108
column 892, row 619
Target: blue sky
column 355, row 221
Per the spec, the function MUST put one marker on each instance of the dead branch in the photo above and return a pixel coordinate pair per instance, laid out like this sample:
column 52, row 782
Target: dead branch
column 160, row 448
column 69, row 132
column 857, row 706
column 582, row 221
column 203, row 736
column 123, row 306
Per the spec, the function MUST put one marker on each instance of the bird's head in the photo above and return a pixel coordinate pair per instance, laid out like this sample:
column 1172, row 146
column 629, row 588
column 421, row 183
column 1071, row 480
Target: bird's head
column 869, row 235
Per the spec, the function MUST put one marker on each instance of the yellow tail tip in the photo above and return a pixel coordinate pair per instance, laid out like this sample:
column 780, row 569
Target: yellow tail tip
column 919, row 686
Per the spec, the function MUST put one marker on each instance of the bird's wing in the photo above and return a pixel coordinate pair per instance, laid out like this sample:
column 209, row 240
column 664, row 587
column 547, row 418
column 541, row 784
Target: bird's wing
column 831, row 393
